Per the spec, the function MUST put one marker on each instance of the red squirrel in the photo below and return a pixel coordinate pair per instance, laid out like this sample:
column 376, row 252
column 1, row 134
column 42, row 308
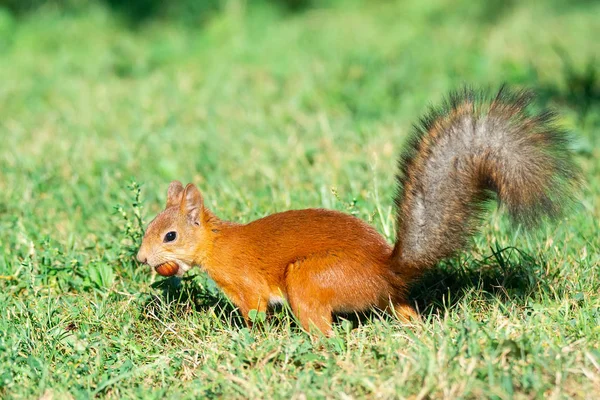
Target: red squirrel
column 324, row 262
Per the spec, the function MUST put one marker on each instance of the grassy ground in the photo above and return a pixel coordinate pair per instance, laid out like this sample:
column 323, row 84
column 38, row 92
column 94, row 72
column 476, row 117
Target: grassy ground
column 266, row 112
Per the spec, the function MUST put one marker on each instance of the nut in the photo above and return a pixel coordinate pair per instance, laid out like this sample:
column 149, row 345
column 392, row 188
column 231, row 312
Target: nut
column 169, row 268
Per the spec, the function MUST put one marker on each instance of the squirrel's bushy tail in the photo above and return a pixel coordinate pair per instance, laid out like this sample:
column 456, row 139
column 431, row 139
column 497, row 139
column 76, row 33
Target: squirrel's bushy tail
column 464, row 152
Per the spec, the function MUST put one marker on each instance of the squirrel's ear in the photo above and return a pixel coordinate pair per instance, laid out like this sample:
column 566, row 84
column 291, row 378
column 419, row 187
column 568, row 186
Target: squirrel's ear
column 191, row 203
column 174, row 194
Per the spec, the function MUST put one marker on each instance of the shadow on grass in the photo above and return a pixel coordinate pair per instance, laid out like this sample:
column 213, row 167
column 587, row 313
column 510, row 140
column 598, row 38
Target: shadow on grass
column 182, row 296
column 509, row 275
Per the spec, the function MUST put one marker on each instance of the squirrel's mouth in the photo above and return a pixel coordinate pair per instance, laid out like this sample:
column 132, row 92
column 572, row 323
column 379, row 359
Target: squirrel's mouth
column 168, row 268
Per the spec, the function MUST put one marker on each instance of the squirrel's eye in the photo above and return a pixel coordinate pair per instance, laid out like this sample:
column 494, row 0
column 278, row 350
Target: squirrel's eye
column 169, row 237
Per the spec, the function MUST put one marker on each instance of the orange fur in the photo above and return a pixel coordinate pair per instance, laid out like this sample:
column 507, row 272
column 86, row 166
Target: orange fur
column 321, row 261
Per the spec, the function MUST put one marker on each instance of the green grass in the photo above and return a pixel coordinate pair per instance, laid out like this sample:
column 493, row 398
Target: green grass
column 265, row 112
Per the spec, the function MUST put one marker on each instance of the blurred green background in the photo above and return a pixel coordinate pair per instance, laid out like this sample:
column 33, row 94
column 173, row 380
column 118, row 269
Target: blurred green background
column 271, row 105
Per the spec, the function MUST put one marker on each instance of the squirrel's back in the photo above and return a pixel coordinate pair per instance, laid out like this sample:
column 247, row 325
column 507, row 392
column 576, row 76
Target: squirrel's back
column 286, row 237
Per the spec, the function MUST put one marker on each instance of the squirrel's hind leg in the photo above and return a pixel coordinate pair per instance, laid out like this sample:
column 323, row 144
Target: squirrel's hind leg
column 406, row 313
column 312, row 315
column 306, row 300
column 402, row 309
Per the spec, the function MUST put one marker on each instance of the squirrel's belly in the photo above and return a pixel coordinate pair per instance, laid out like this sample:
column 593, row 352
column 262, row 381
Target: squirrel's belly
column 276, row 300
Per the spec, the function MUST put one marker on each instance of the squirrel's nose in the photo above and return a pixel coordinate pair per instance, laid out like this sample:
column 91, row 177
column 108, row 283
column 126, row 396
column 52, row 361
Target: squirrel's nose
column 141, row 257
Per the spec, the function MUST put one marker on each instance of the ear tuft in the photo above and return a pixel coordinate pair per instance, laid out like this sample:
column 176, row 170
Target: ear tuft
column 192, row 203
column 174, row 194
